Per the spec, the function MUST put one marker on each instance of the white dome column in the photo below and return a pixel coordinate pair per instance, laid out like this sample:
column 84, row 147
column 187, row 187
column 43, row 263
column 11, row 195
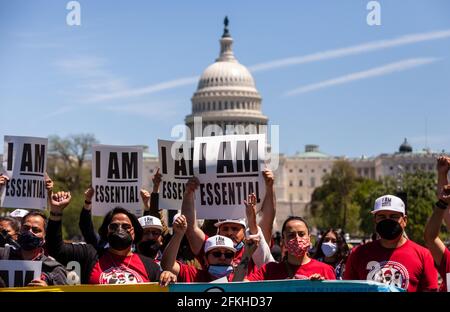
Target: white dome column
column 226, row 93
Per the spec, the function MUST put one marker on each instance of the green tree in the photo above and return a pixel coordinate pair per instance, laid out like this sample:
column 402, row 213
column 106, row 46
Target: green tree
column 70, row 171
column 420, row 188
column 331, row 204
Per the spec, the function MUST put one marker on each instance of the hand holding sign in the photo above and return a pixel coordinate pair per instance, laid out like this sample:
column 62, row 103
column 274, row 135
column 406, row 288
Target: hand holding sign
column 180, row 225
column 192, row 185
column 316, row 277
column 167, row 278
column 268, row 177
column 3, row 180
column 145, row 195
column 37, row 283
column 250, row 211
column 157, row 178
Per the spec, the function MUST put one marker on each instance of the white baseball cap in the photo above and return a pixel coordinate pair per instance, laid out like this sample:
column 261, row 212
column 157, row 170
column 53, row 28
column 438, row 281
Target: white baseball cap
column 150, row 222
column 19, row 213
column 219, row 241
column 237, row 221
column 389, row 202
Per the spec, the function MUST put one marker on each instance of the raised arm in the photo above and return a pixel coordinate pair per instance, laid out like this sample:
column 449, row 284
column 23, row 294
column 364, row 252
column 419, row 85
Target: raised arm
column 443, row 168
column 268, row 208
column 54, row 241
column 431, row 235
column 169, row 258
column 85, row 223
column 194, row 234
column 151, row 201
column 261, row 253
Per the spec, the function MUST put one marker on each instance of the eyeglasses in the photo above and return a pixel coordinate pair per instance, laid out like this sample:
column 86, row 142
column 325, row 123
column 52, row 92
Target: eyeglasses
column 218, row 254
column 115, row 226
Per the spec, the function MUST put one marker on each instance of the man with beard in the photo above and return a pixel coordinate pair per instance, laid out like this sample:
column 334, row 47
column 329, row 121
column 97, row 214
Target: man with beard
column 152, row 240
column 120, row 229
column 393, row 250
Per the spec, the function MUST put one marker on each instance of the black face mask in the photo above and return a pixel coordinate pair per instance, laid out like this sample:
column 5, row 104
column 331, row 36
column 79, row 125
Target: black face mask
column 120, row 240
column 149, row 248
column 28, row 241
column 389, row 229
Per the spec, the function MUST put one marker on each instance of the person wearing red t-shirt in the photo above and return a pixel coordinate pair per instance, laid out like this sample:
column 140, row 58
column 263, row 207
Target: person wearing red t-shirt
column 296, row 264
column 393, row 259
column 219, row 253
column 440, row 253
column 233, row 229
column 116, row 264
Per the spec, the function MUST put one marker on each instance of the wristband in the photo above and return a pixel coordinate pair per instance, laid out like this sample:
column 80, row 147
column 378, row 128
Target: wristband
column 441, row 204
column 56, row 214
column 87, row 202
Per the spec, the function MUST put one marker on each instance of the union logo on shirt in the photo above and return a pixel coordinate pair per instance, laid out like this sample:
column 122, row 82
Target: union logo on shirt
column 389, row 273
column 120, row 275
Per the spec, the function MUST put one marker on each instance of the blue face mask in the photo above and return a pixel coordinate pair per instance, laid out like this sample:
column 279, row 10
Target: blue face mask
column 219, row 271
column 239, row 246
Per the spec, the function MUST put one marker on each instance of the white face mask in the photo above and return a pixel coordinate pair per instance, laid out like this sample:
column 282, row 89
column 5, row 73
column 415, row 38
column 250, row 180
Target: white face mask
column 328, row 249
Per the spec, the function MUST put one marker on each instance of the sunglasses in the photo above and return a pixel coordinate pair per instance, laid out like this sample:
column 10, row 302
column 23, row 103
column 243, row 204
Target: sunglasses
column 115, row 226
column 218, row 254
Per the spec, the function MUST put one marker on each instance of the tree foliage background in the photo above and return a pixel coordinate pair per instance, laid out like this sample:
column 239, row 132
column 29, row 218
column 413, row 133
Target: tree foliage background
column 69, row 169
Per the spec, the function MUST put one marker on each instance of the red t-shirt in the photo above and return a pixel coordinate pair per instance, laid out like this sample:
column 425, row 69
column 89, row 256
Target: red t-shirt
column 278, row 271
column 409, row 266
column 189, row 274
column 114, row 269
column 444, row 268
column 236, row 260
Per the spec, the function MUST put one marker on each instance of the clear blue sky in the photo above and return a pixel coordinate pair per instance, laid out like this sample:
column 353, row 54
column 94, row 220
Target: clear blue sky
column 372, row 87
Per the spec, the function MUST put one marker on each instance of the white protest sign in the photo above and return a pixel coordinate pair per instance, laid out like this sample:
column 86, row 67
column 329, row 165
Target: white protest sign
column 19, row 273
column 229, row 168
column 116, row 178
column 25, row 163
column 176, row 166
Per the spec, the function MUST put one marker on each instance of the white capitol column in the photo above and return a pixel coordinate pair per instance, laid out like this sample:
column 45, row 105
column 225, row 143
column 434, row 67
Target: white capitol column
column 226, row 94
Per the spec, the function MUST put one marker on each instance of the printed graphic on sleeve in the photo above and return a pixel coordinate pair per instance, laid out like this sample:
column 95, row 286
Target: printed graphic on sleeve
column 389, row 273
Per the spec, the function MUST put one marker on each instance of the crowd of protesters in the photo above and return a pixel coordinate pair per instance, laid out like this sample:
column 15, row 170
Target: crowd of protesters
column 129, row 250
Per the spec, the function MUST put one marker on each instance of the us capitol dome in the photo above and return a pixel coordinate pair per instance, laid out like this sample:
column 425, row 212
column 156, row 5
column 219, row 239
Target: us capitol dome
column 226, row 96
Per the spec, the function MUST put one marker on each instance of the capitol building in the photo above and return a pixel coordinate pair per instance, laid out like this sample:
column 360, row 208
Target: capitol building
column 227, row 102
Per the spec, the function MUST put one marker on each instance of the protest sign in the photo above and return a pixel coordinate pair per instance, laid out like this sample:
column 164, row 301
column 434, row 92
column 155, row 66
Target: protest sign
column 25, row 163
column 176, row 165
column 229, row 168
column 116, row 178
column 19, row 273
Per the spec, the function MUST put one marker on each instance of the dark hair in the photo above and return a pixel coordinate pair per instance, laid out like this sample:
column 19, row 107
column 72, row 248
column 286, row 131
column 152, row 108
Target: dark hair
column 36, row 213
column 103, row 230
column 342, row 250
column 13, row 223
column 290, row 219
